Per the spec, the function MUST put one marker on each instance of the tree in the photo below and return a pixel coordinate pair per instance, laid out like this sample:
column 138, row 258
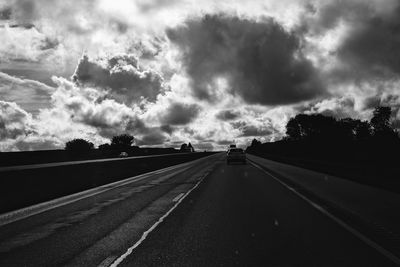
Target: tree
column 183, row 147
column 363, row 131
column 190, row 147
column 381, row 119
column 104, row 147
column 381, row 125
column 293, row 130
column 346, row 129
column 311, row 127
column 122, row 142
column 254, row 146
column 255, row 143
column 79, row 146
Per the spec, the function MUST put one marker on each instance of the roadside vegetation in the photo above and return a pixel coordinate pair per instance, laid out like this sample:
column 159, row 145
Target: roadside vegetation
column 365, row 151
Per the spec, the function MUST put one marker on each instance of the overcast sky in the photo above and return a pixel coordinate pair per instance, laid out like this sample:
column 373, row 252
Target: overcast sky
column 208, row 72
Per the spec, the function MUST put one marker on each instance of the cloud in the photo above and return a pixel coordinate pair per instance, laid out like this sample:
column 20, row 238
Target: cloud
column 203, row 146
column 122, row 75
column 342, row 107
column 262, row 62
column 167, row 128
column 248, row 129
column 251, row 130
column 227, row 115
column 373, row 47
column 22, row 44
column 165, row 72
column 35, row 142
column 155, row 137
column 180, row 114
column 5, row 13
column 29, row 94
column 14, row 121
column 368, row 42
column 224, row 142
column 91, row 107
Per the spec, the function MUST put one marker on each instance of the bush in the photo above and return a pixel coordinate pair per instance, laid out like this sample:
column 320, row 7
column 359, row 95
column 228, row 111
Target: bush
column 79, row 146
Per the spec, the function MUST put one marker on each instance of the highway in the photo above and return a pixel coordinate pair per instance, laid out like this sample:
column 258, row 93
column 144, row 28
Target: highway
column 202, row 213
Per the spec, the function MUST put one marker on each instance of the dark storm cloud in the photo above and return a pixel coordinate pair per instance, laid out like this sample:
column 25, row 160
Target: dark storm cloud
column 375, row 46
column 155, row 137
column 136, row 125
column 251, row 130
column 201, row 146
column 370, row 48
column 5, row 13
column 48, row 44
column 39, row 144
column 390, row 100
column 371, row 102
column 262, row 62
column 227, row 115
column 180, row 114
column 167, row 129
column 224, row 142
column 122, row 74
column 26, row 11
column 26, row 26
column 109, row 129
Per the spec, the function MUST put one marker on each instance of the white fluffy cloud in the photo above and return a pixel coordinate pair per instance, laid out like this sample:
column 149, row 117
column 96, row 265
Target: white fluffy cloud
column 15, row 123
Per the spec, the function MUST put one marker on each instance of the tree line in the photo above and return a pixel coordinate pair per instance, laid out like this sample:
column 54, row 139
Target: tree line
column 123, row 142
column 317, row 127
column 119, row 143
column 325, row 136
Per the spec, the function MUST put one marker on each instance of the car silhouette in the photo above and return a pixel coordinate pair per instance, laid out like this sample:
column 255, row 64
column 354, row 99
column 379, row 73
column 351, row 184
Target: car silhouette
column 236, row 155
column 123, row 155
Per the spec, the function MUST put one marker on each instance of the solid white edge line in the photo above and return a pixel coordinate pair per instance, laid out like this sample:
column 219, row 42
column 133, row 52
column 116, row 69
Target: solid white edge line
column 160, row 220
column 352, row 230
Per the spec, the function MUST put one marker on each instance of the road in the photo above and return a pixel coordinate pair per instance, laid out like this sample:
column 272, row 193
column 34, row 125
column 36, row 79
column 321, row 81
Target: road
column 235, row 215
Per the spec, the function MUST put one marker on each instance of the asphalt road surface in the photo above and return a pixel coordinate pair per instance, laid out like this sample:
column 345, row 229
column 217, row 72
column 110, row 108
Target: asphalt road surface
column 242, row 217
column 236, row 216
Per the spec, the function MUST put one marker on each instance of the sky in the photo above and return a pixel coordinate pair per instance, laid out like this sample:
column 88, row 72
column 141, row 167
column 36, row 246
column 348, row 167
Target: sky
column 176, row 71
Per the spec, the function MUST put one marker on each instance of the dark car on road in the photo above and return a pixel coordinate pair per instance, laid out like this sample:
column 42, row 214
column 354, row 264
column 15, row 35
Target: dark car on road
column 236, row 155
